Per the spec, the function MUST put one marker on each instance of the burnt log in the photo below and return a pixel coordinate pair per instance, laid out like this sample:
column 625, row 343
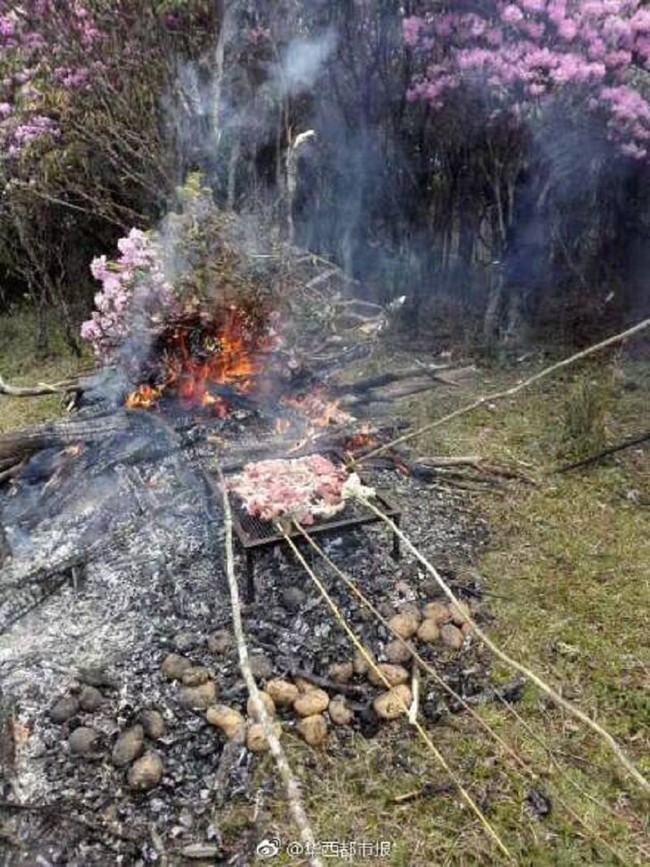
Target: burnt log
column 16, row 446
column 379, row 380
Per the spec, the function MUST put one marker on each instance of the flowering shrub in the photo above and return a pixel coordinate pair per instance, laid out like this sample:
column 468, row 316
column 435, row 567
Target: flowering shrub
column 134, row 289
column 34, row 67
column 86, row 146
column 52, row 52
column 192, row 268
column 520, row 53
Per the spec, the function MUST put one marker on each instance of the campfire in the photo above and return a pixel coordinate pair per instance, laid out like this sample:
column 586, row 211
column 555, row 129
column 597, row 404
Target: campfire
column 208, row 364
column 232, row 363
column 113, row 530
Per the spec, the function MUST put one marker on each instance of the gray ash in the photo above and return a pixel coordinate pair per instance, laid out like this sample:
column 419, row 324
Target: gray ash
column 117, row 561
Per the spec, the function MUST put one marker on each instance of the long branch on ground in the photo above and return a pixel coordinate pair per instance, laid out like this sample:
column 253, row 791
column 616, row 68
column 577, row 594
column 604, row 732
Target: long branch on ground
column 292, row 788
column 512, row 663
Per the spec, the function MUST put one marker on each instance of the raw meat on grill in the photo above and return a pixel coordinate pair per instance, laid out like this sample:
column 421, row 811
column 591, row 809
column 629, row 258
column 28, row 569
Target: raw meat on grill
column 299, row 488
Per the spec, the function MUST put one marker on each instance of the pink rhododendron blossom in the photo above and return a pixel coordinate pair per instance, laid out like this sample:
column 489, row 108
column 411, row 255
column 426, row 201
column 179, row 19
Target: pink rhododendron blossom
column 137, row 276
column 596, row 51
column 512, row 14
column 411, row 28
column 567, row 29
column 7, row 27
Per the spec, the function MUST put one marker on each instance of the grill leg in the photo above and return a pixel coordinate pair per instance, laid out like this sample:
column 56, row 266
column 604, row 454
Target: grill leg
column 250, row 578
column 396, row 553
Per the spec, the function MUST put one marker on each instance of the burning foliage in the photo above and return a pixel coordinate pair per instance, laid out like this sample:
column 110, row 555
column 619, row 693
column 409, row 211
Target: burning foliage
column 200, row 362
column 213, row 312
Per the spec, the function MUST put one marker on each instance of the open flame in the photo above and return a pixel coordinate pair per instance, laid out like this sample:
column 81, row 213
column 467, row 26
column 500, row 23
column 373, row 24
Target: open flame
column 230, row 362
column 144, row 398
column 203, row 364
column 320, row 411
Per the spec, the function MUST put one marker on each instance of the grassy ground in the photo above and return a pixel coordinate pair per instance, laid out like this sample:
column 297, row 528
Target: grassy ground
column 568, row 565
column 20, row 365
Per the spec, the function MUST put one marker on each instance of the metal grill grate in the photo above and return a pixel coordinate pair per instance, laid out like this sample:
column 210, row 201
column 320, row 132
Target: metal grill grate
column 254, row 534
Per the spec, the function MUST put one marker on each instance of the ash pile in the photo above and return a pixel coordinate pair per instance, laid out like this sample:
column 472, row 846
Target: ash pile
column 116, row 644
column 108, row 680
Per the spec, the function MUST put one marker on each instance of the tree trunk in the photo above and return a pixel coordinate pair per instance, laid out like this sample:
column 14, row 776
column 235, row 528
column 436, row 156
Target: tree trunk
column 493, row 309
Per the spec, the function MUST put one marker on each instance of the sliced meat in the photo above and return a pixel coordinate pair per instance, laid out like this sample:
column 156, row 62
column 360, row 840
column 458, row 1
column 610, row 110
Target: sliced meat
column 300, row 488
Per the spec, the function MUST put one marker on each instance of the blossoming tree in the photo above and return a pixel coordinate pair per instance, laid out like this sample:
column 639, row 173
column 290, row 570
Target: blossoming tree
column 518, row 66
column 87, row 144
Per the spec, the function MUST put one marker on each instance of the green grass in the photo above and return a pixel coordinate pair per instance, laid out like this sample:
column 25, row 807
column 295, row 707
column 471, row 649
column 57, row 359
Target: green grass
column 568, row 563
column 20, row 365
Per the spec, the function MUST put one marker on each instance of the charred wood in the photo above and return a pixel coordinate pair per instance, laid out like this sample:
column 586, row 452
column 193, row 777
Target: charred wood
column 372, row 382
column 387, row 395
column 17, row 445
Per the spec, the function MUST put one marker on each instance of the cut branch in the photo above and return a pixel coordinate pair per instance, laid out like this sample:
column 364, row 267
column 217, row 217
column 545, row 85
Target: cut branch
column 612, row 450
column 37, row 390
column 509, row 661
column 515, row 389
column 291, row 784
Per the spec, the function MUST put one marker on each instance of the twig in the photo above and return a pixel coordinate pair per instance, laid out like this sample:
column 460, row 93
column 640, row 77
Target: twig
column 592, row 459
column 415, row 692
column 515, row 389
column 425, row 791
column 291, row 784
column 548, row 690
column 37, row 390
column 451, row 461
column 465, row 795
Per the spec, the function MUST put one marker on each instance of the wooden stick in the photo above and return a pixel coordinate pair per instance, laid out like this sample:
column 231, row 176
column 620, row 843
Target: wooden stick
column 290, row 782
column 370, row 383
column 37, row 390
column 444, row 461
column 512, row 663
column 592, row 459
column 465, row 795
column 515, row 389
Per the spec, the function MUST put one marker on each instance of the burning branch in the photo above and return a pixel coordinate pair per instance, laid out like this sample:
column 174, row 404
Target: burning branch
column 291, row 784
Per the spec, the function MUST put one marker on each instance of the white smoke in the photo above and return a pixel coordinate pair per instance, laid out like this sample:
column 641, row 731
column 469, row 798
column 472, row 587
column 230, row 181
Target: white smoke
column 303, row 61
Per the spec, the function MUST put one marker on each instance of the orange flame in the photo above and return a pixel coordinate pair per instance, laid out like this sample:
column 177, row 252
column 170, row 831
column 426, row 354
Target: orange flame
column 144, row 397
column 196, row 356
column 319, row 411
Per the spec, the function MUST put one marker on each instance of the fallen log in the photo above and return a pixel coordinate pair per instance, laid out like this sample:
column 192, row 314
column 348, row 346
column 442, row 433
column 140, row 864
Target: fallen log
column 16, row 446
